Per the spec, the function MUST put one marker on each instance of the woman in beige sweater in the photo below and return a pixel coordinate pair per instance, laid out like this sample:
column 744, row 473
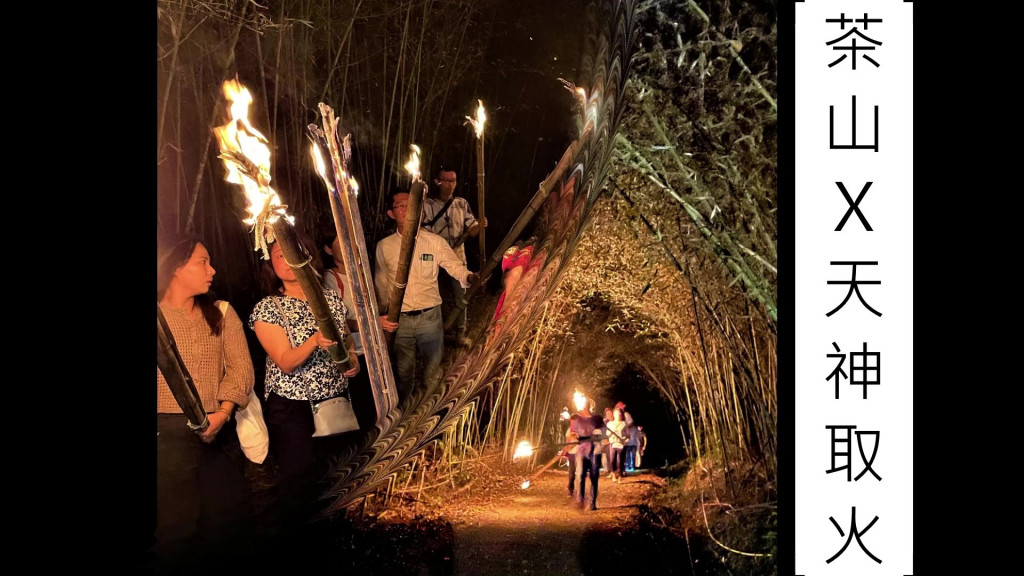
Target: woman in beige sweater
column 201, row 487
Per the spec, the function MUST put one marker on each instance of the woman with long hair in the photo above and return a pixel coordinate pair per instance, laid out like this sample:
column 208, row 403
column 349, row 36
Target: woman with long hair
column 299, row 372
column 201, row 486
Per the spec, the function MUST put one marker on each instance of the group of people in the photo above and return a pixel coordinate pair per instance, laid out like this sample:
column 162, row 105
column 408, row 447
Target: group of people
column 201, row 484
column 201, row 481
column 419, row 333
column 593, row 444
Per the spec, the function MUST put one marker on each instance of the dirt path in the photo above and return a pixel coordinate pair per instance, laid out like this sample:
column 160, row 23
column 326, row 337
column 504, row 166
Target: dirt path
column 502, row 531
column 539, row 531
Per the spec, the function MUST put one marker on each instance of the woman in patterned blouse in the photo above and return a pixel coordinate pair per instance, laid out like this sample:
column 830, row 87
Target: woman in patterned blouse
column 299, row 371
column 201, row 486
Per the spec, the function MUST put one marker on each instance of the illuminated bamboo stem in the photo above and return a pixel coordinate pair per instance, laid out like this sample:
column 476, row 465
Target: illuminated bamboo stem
column 410, row 228
column 348, row 226
column 480, row 196
column 300, row 263
column 176, row 374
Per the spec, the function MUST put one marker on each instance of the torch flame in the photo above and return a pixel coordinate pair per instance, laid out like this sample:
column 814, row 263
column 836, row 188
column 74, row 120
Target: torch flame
column 321, row 169
column 321, row 165
column 523, row 450
column 579, row 400
column 525, row 485
column 481, row 118
column 246, row 157
column 589, row 106
column 413, row 165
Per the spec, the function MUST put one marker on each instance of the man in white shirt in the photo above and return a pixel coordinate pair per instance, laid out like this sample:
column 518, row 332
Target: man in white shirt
column 419, row 326
column 448, row 216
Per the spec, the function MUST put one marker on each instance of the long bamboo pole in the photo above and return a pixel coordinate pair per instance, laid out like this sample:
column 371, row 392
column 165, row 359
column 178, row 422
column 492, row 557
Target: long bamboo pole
column 480, row 195
column 299, row 261
column 478, row 127
column 348, row 226
column 177, row 376
column 409, row 228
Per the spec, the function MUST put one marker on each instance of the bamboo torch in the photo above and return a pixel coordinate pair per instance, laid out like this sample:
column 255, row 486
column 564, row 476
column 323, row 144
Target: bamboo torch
column 410, row 228
column 176, row 374
column 342, row 190
column 246, row 158
column 531, row 209
column 478, row 127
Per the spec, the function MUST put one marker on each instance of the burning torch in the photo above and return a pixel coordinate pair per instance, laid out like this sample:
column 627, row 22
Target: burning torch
column 409, row 229
column 478, row 127
column 246, row 157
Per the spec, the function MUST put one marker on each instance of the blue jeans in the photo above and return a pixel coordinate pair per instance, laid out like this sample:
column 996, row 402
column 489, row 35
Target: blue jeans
column 630, row 458
column 421, row 335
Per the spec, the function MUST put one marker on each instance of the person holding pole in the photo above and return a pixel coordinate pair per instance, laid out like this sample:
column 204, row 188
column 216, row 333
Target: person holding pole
column 201, row 486
column 299, row 371
column 450, row 217
column 419, row 330
column 588, row 428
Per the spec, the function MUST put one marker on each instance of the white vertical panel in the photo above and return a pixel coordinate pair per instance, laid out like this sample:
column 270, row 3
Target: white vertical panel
column 819, row 206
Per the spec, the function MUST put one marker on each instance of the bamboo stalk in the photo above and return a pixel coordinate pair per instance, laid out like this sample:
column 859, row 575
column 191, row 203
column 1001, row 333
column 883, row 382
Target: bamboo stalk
column 480, row 194
column 299, row 262
column 410, row 228
column 169, row 361
column 349, row 229
column 497, row 401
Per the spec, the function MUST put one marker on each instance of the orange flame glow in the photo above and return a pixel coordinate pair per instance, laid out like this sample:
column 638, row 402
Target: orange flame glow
column 321, row 165
column 321, row 169
column 413, row 165
column 238, row 136
column 481, row 118
column 579, row 400
column 523, row 450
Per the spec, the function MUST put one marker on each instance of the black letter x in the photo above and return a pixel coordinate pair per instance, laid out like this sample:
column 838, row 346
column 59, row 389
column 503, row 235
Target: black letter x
column 853, row 206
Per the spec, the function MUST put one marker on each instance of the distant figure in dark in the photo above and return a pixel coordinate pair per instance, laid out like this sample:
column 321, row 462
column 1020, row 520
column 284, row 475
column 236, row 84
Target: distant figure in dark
column 616, row 432
column 588, row 429
column 569, row 451
column 630, row 452
column 641, row 445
